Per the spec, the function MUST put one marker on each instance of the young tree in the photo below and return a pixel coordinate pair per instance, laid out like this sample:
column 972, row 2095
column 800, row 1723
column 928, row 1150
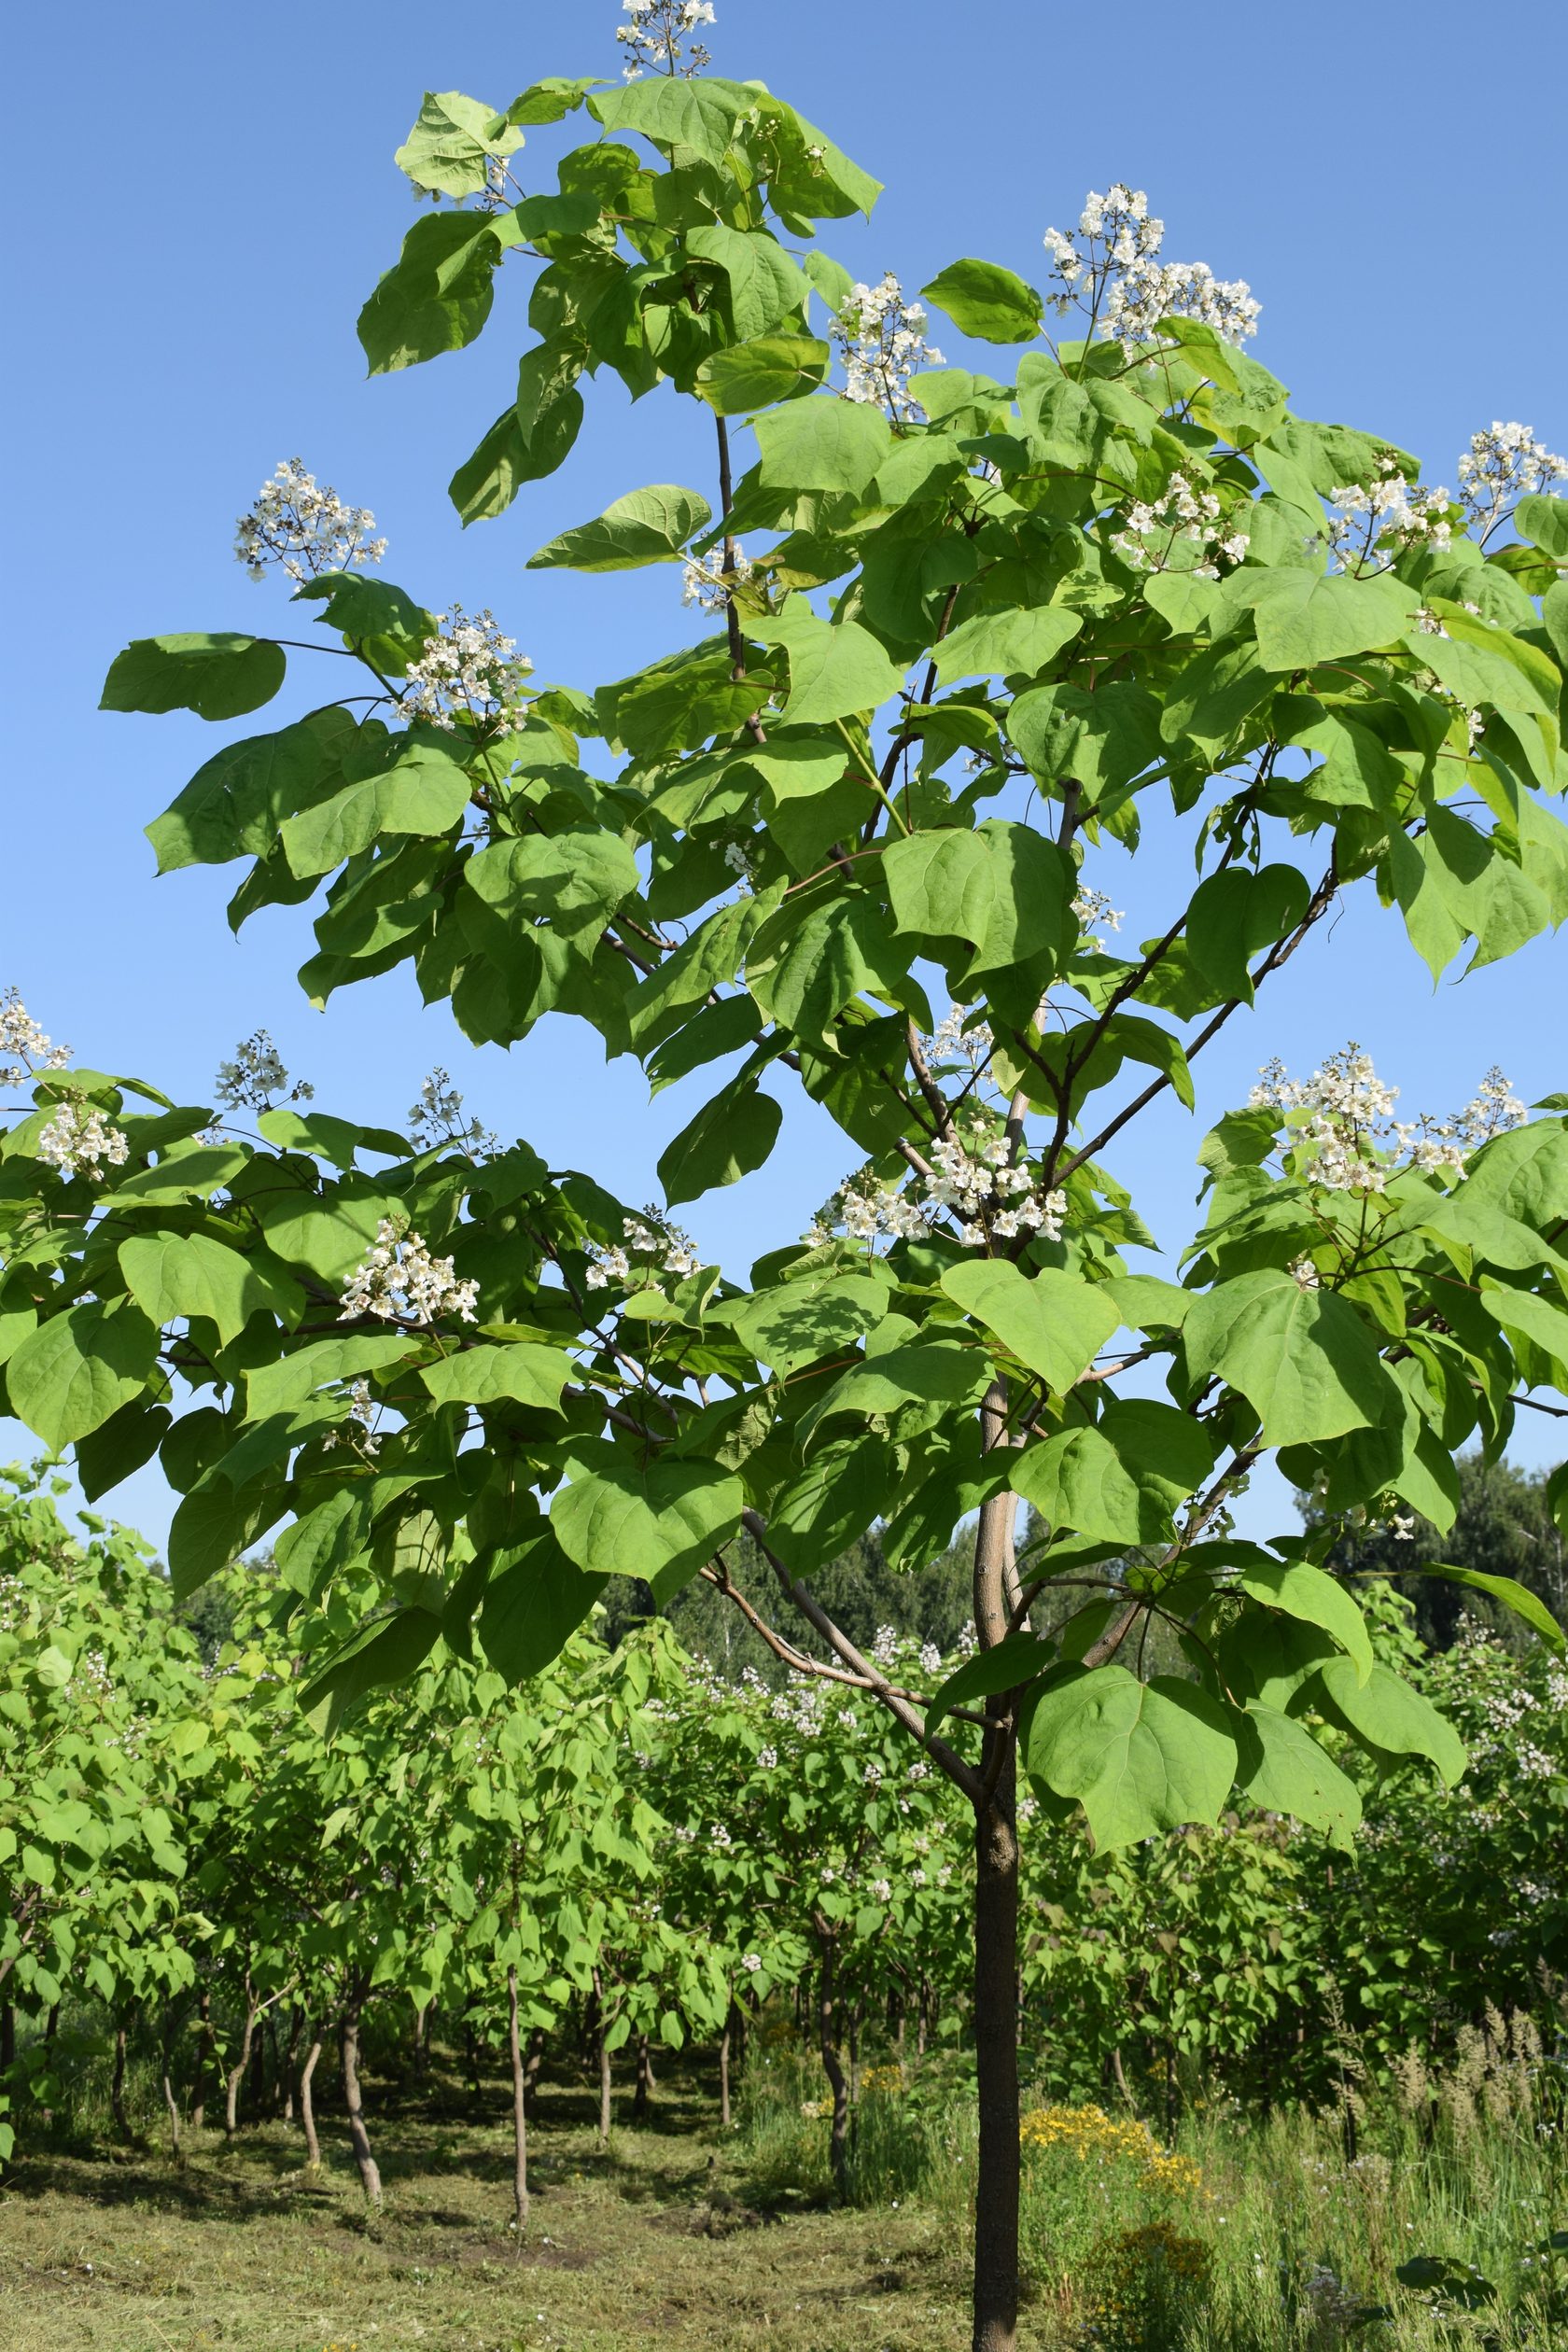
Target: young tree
column 980, row 623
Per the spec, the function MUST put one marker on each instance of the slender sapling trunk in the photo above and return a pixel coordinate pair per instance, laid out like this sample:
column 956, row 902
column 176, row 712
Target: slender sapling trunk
column 348, row 2050
column 519, row 2111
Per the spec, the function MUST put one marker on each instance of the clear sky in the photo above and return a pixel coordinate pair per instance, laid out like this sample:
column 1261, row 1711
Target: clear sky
column 204, row 197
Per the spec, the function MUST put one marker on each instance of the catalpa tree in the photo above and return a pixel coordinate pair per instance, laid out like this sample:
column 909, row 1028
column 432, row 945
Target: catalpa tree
column 965, row 630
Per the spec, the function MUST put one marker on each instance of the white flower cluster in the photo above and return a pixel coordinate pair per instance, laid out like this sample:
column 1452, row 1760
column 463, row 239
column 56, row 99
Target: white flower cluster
column 751, row 1962
column 1112, row 271
column 255, row 1076
column 649, row 1236
column 658, row 36
column 978, row 1184
column 1092, row 907
column 80, row 1141
column 709, row 585
column 302, row 529
column 955, row 1041
column 1350, row 1137
column 20, row 1035
column 990, row 1196
column 1182, row 514
column 469, row 669
column 1501, row 465
column 361, row 1431
column 398, row 1280
column 1385, row 517
column 882, row 340
column 438, row 1119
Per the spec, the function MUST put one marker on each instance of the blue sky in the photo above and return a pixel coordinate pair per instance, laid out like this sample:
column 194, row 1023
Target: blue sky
column 212, row 197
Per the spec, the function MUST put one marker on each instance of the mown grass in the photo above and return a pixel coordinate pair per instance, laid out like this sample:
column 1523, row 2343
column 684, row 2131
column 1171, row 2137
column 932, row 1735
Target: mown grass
column 1269, row 2238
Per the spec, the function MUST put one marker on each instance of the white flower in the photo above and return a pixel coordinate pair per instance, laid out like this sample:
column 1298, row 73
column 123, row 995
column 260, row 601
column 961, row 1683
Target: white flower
column 916, row 1876
column 467, row 670
column 254, row 1075
column 1110, row 269
column 1305, row 1274
column 20, row 1035
column 302, row 529
column 436, row 1118
column 708, row 585
column 1340, row 1122
column 78, row 1140
column 881, row 340
column 1374, row 522
column 398, row 1281
column 751, row 1963
column 881, row 1890
column 767, row 1759
column 1182, row 514
column 884, row 1649
column 362, row 1410
column 930, row 1658
column 1091, row 908
column 1500, row 467
column 656, row 37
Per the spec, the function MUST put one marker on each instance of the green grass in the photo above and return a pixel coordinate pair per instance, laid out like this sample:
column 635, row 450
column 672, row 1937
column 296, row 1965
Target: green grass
column 673, row 2237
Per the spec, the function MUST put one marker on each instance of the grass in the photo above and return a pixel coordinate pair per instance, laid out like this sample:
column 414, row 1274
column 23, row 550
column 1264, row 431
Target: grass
column 1262, row 2235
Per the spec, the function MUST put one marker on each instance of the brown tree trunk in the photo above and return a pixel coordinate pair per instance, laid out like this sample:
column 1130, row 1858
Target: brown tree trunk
column 289, row 2070
column 601, row 2049
column 348, row 2050
column 237, row 2072
column 117, row 2084
column 170, row 2102
column 307, row 2109
column 996, row 1937
column 838, row 2082
column 724, row 2070
column 204, row 2048
column 531, row 2071
column 519, row 2112
column 644, row 2080
column 7, row 2037
column 50, row 2030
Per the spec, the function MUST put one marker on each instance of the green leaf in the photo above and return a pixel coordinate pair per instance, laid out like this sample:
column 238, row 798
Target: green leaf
column 535, row 1601
column 385, row 1651
column 1284, row 1770
column 527, row 441
column 1016, row 1660
column 803, row 1322
column 1138, row 1756
column 1316, row 1599
column 822, row 445
column 1101, row 739
column 184, row 1175
column 173, row 1274
column 661, row 1523
column 1004, row 644
column 1235, row 914
column 765, row 286
column 280, row 1386
column 647, row 527
column 756, row 374
column 216, row 1524
column 425, row 793
column 1002, row 887
column 827, row 1503
column 218, row 677
column 1512, row 1594
column 1118, row 1479
column 1303, row 618
column 1056, row 1323
column 697, row 117
column 451, row 141
column 987, row 301
column 515, row 1370
column 438, row 294
column 575, row 880
column 728, row 1137
column 913, row 1385
column 70, row 1374
column 233, row 806
column 1536, row 1318
column 836, row 668
column 1544, row 521
column 1389, row 1718
column 1303, row 1359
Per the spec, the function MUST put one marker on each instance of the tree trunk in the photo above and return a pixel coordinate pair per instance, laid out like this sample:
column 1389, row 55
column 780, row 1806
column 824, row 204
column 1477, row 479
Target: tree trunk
column 170, row 2102
column 204, row 2048
column 307, row 2111
column 422, row 2016
column 531, row 2071
column 644, row 2080
column 259, row 2062
column 288, row 2071
column 51, row 2030
column 237, row 2072
column 348, row 2050
column 117, row 2085
column 7, row 2037
column 996, row 1939
column 725, row 2070
column 601, row 2049
column 838, row 2082
column 519, row 2112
